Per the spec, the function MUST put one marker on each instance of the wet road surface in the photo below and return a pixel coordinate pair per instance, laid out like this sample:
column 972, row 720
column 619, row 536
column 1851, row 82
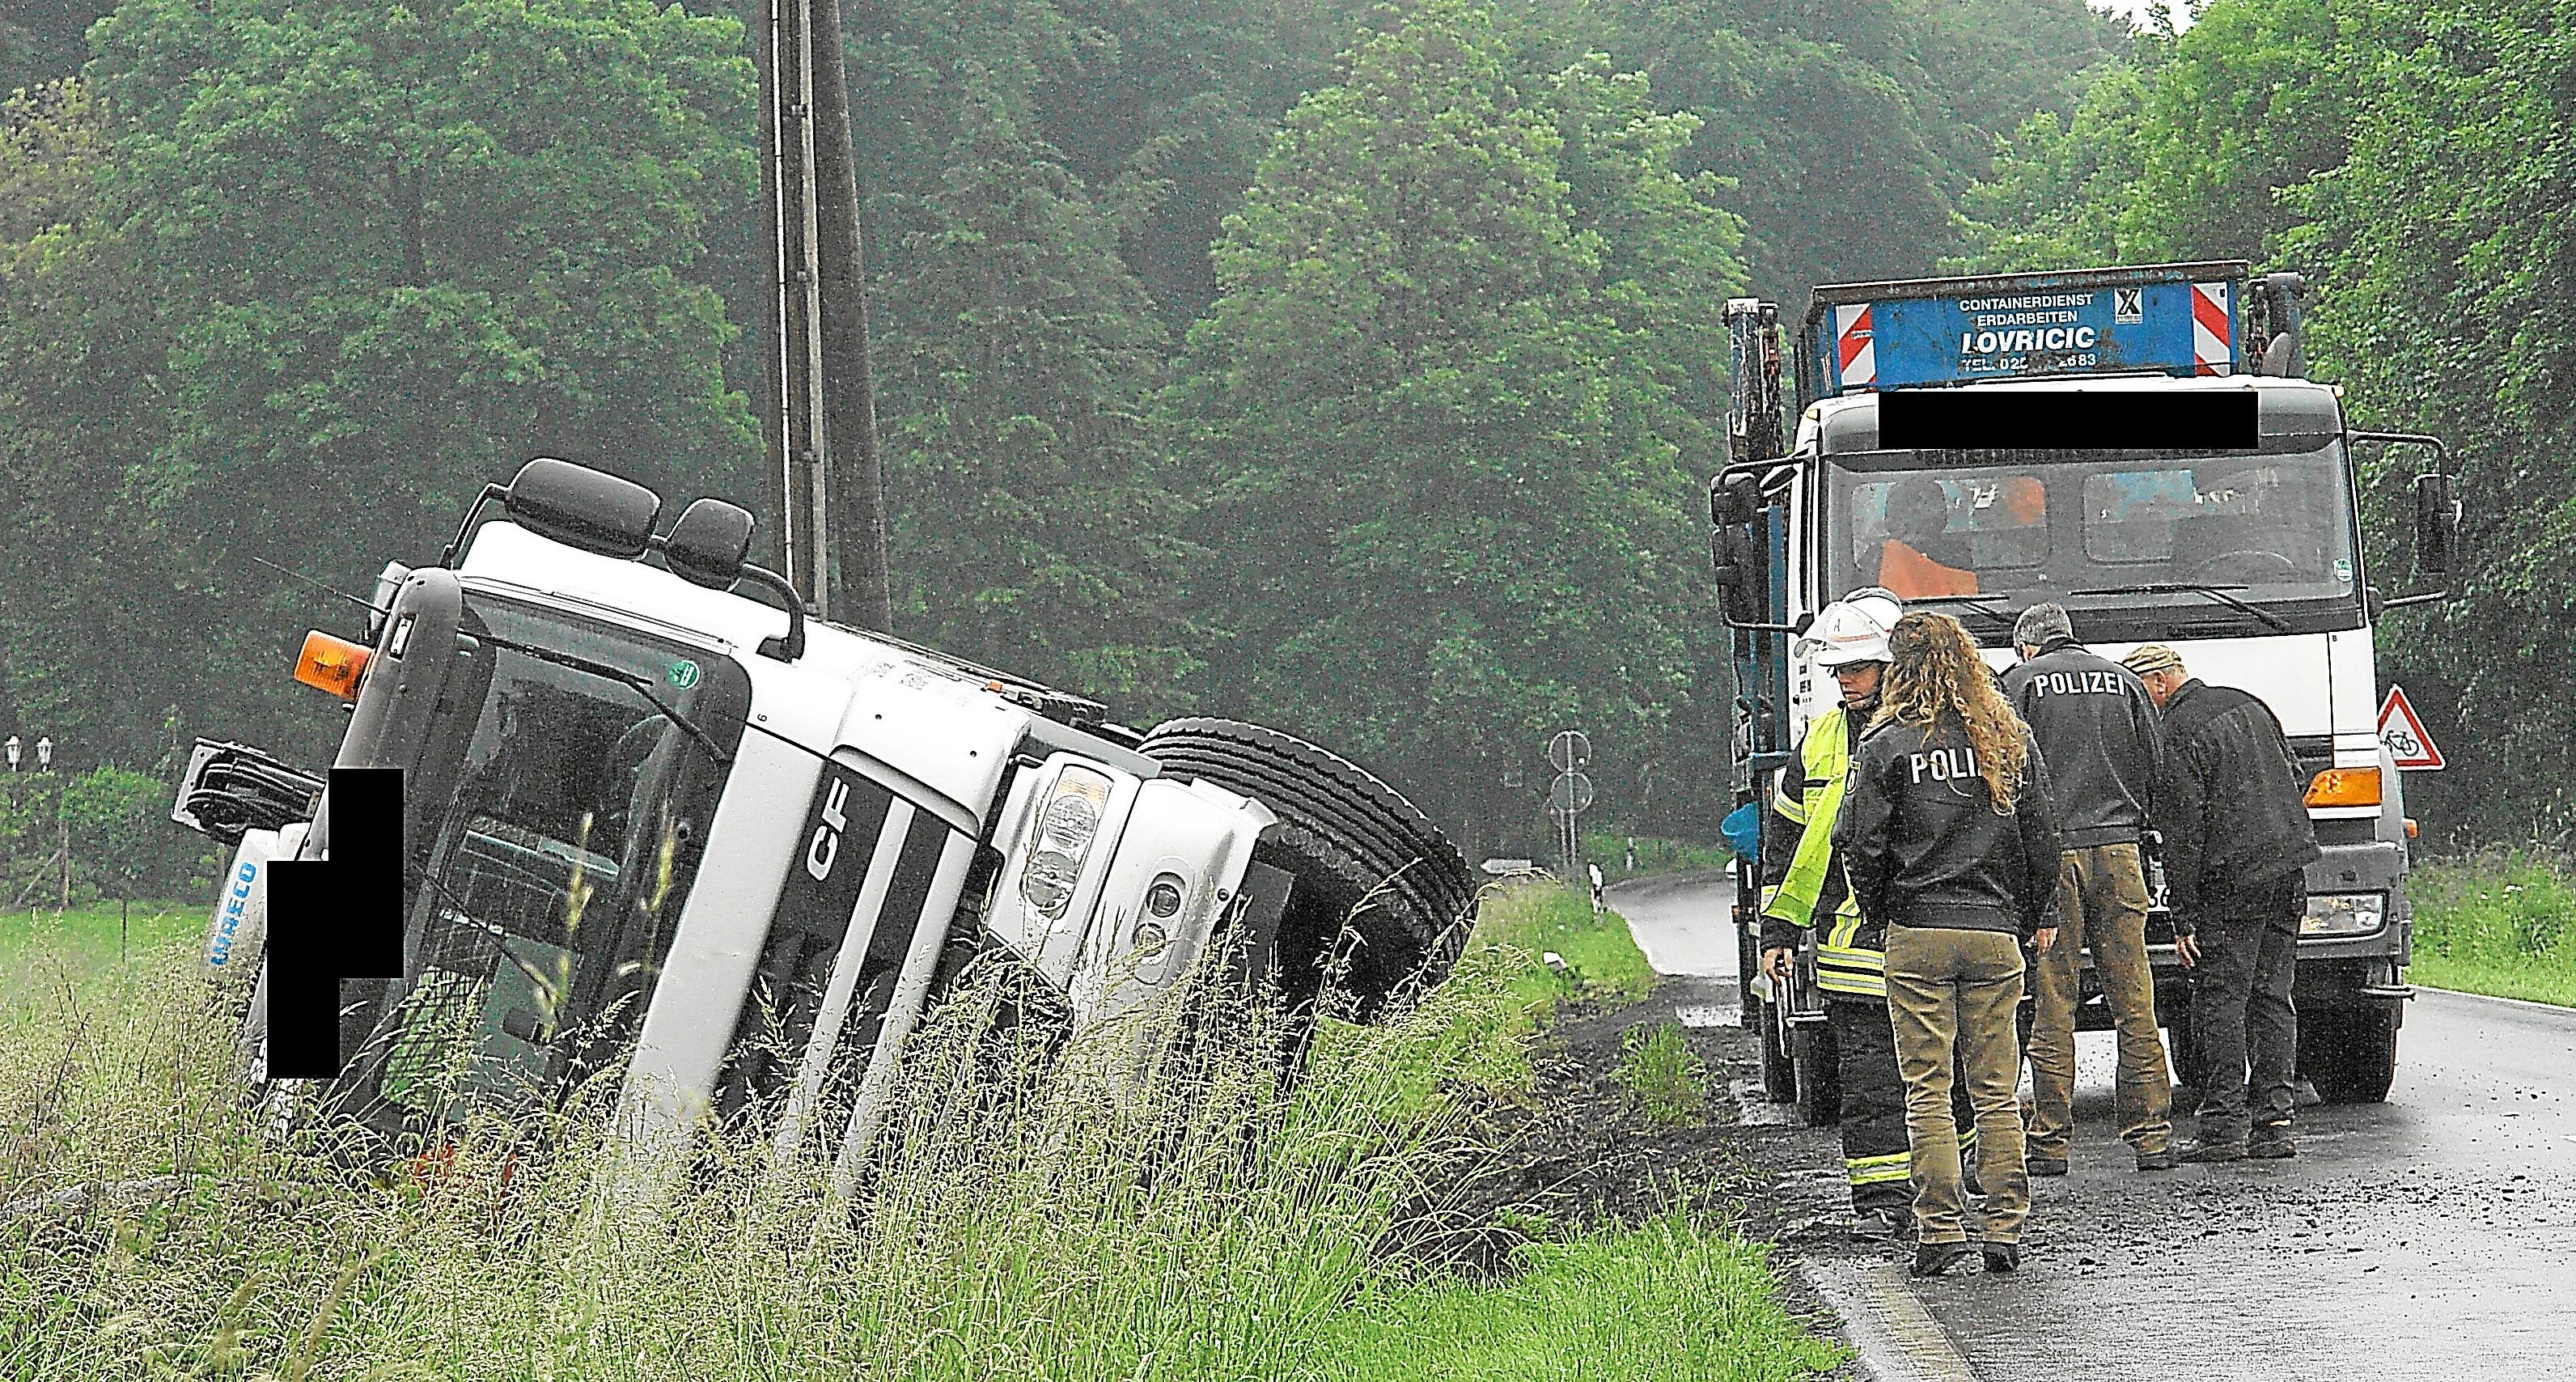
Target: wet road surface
column 1682, row 921
column 2431, row 1236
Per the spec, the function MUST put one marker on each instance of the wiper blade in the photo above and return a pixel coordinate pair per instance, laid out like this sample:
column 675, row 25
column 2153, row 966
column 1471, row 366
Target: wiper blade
column 1983, row 604
column 2219, row 593
column 635, row 681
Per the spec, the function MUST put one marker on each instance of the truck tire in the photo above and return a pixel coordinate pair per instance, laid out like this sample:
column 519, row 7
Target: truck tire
column 2350, row 1053
column 1820, row 1084
column 1364, row 859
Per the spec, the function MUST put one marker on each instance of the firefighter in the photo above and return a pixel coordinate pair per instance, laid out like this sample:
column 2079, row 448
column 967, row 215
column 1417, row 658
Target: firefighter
column 1848, row 639
column 1952, row 843
column 2237, row 845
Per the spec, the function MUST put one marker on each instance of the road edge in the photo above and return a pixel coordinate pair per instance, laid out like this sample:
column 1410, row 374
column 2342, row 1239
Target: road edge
column 1893, row 1337
column 2562, row 1009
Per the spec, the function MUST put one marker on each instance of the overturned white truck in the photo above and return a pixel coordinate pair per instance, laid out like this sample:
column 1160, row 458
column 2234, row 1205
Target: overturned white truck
column 649, row 817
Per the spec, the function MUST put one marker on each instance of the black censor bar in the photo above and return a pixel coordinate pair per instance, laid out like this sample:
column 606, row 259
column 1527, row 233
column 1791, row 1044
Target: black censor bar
column 2069, row 420
column 334, row 919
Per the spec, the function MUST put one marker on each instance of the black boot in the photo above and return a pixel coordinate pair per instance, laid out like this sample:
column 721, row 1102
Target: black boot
column 2003, row 1257
column 2205, row 1152
column 2272, row 1142
column 1936, row 1259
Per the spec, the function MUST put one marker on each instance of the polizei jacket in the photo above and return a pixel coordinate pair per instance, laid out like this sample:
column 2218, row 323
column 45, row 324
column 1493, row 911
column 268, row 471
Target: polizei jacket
column 2097, row 725
column 2230, row 803
column 1925, row 846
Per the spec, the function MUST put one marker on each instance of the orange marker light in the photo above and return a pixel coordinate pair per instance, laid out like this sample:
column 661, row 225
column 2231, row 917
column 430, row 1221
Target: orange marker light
column 2344, row 787
column 331, row 664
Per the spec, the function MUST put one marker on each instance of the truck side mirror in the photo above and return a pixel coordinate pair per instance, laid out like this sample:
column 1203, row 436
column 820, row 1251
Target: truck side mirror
column 581, row 507
column 1733, row 500
column 2437, row 524
column 707, row 546
column 1743, row 575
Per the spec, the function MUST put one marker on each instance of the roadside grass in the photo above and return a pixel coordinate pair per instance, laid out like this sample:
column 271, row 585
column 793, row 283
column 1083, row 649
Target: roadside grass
column 1664, row 1077
column 2501, row 923
column 1609, row 849
column 1670, row 1300
column 92, row 931
column 1146, row 1203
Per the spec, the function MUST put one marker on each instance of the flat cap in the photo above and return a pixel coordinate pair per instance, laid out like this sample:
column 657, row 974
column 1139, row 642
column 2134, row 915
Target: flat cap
column 2151, row 657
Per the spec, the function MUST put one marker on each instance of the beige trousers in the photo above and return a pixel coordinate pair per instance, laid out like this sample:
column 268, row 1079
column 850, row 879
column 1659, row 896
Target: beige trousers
column 2103, row 892
column 1953, row 994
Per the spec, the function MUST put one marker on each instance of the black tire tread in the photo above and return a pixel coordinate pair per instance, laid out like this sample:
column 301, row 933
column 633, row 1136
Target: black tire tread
column 1345, row 831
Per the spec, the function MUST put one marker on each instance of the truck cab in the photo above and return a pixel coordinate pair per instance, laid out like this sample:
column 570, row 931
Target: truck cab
column 1980, row 445
column 656, row 825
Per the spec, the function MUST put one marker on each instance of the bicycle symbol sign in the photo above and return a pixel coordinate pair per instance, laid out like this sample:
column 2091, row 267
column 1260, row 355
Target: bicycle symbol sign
column 2402, row 731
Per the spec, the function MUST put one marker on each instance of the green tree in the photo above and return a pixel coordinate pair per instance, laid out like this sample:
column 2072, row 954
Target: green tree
column 2411, row 160
column 1440, row 413
column 336, row 267
column 122, row 839
column 1030, row 525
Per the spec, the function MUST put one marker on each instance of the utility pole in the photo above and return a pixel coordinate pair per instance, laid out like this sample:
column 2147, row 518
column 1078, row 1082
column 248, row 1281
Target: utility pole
column 829, row 488
column 856, row 480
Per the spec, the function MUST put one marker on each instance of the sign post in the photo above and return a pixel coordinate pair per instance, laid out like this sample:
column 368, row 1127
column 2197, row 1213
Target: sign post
column 1570, row 794
column 2403, row 732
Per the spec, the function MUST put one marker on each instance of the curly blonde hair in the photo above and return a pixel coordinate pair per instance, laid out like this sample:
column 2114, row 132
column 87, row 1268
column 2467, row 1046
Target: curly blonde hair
column 1934, row 671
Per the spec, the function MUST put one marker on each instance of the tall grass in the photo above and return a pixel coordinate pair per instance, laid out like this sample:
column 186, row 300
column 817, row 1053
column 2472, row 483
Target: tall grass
column 1145, row 1202
column 2497, row 922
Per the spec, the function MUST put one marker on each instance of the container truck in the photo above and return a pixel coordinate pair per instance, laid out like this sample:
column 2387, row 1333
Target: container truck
column 2141, row 445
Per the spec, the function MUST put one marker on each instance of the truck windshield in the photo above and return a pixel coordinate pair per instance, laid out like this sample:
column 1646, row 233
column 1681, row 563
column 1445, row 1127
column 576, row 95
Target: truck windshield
column 2264, row 541
column 557, row 819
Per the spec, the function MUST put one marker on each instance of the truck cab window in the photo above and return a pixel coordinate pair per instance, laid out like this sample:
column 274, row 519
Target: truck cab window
column 565, row 816
column 1924, row 535
column 2273, row 528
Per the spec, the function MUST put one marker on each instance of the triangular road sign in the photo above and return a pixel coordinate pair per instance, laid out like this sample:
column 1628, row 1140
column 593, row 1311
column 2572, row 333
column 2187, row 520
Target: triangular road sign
column 2402, row 730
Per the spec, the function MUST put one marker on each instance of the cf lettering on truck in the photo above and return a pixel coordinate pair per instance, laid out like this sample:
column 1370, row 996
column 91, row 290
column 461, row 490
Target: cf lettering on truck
column 2142, row 446
column 651, row 805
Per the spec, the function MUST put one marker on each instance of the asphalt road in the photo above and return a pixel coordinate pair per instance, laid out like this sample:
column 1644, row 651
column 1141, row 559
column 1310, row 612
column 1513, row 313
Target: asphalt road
column 2431, row 1236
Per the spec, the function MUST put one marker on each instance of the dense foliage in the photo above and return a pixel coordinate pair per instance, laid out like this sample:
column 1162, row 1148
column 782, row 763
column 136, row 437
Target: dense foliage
column 285, row 283
column 2413, row 162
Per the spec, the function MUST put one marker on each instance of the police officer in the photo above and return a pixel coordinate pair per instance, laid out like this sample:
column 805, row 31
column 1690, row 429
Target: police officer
column 2237, row 845
column 1952, row 844
column 2096, row 726
column 1848, row 639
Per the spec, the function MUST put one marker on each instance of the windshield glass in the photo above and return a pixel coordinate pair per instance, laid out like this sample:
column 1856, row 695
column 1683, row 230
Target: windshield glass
column 2003, row 531
column 557, row 821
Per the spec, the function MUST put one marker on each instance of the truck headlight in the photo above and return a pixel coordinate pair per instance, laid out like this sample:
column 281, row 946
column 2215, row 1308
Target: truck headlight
column 2344, row 914
column 1067, row 825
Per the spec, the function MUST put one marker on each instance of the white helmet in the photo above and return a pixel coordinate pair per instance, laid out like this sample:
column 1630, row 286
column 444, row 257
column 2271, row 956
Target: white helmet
column 1852, row 629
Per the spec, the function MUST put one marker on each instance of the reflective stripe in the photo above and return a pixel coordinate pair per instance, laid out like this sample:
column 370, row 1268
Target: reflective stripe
column 1851, row 969
column 1826, row 756
column 1857, row 985
column 1878, row 1170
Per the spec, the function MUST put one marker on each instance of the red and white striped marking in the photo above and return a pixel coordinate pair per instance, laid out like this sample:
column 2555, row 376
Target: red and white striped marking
column 2212, row 330
column 1858, row 352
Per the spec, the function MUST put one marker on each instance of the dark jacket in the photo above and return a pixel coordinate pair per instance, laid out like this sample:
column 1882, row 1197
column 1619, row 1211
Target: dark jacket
column 1923, row 842
column 2231, row 801
column 2096, row 723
